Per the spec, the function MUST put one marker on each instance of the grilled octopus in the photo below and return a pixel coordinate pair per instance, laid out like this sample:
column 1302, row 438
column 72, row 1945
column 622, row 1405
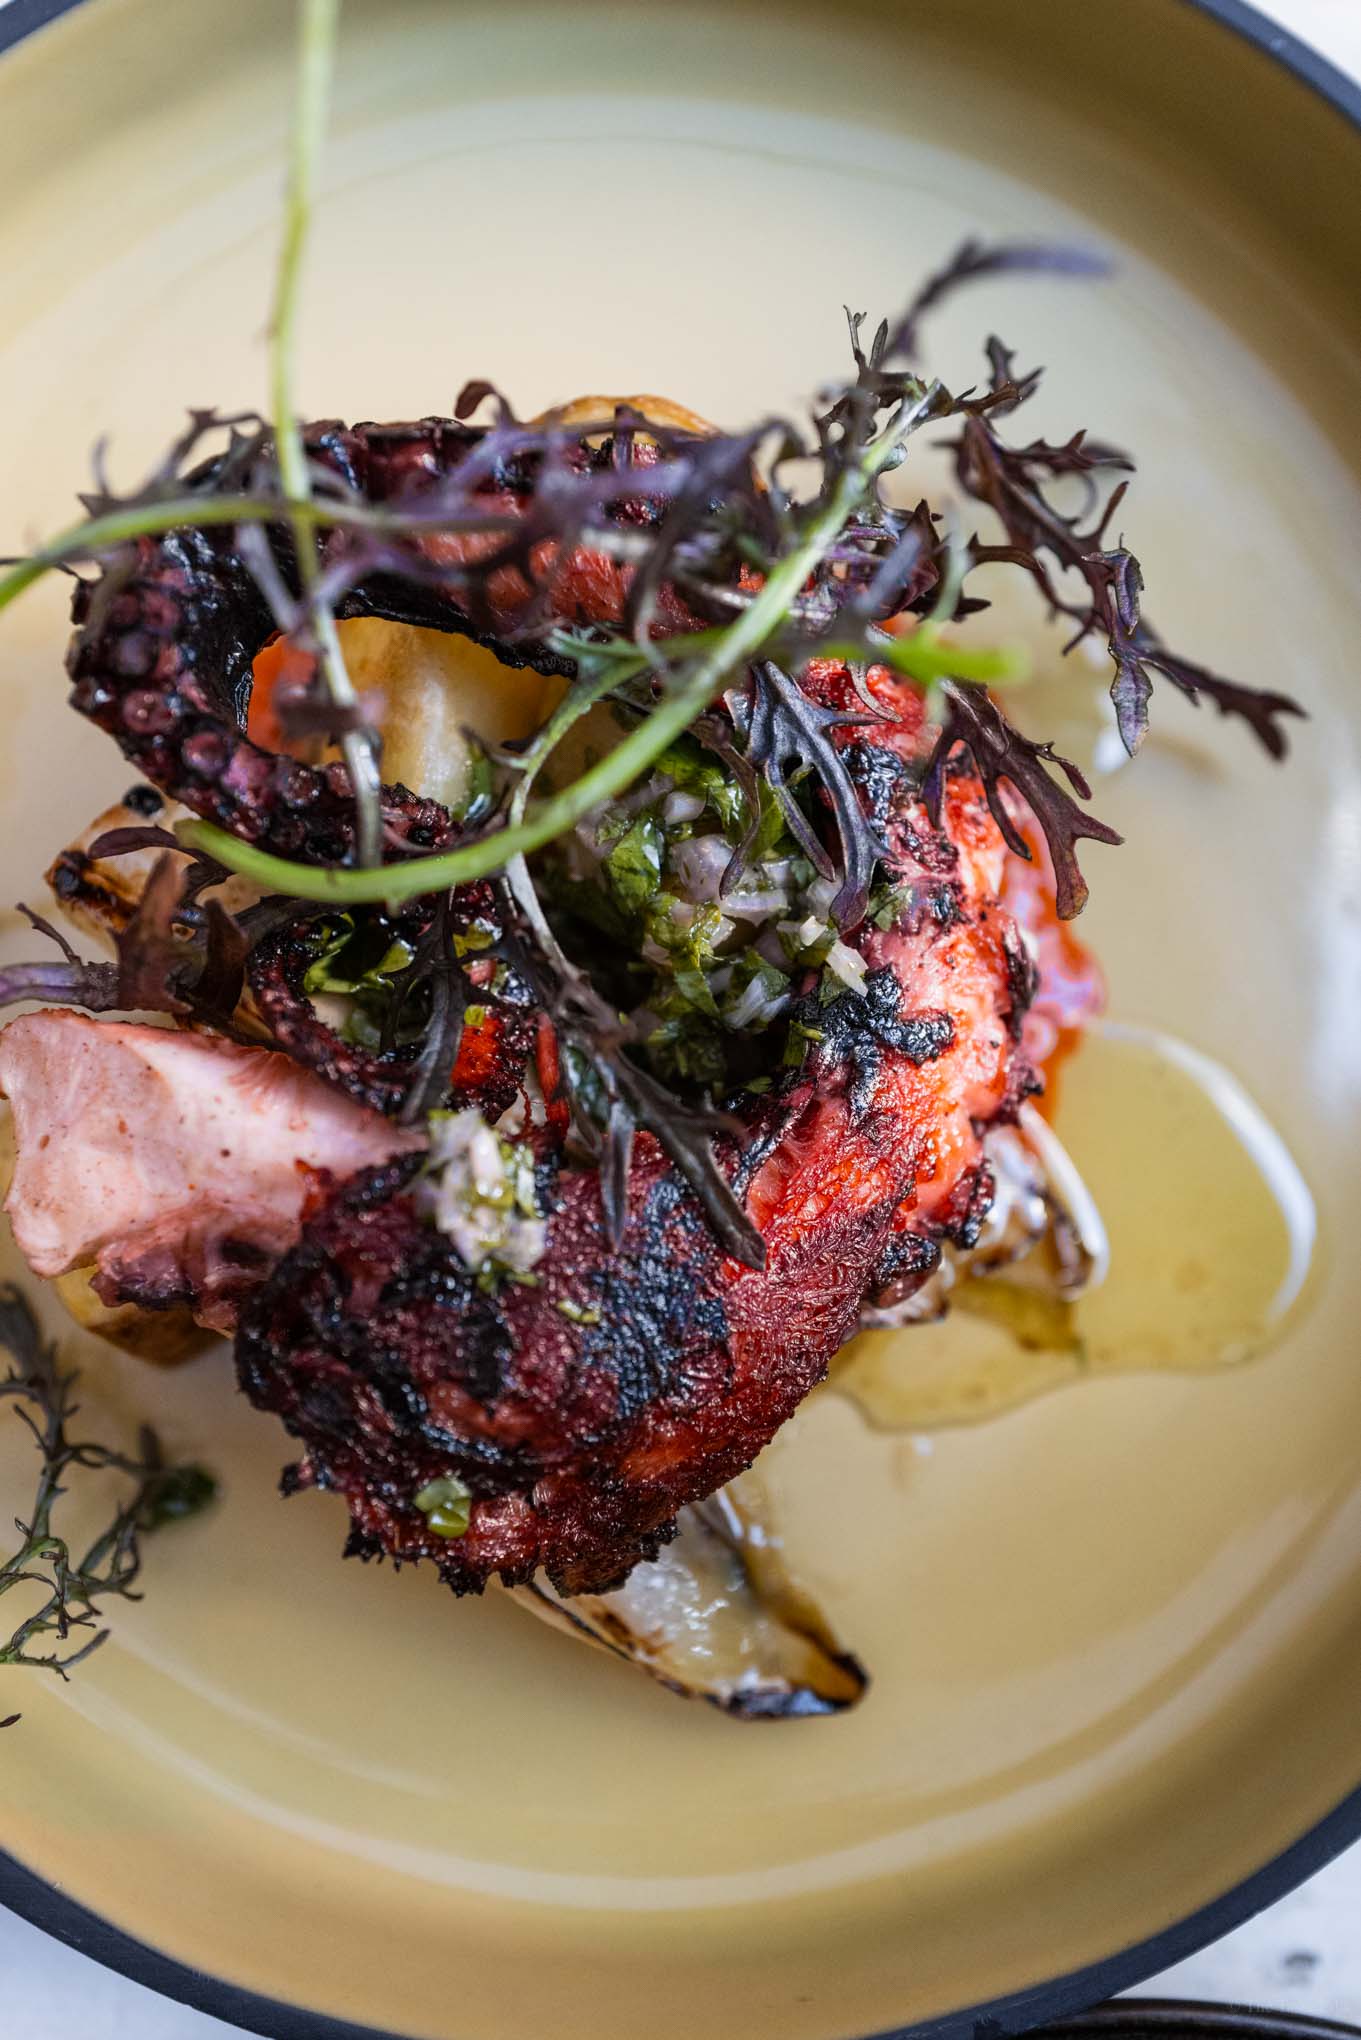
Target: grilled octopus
column 584, row 1409
column 163, row 657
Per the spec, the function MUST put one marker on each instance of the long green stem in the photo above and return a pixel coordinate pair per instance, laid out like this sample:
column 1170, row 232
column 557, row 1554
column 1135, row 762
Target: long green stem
column 580, row 698
column 96, row 535
column 318, row 26
column 407, row 881
column 318, row 23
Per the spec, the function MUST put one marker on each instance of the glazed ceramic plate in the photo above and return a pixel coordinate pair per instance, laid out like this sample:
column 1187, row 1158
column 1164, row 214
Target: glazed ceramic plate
column 1115, row 1634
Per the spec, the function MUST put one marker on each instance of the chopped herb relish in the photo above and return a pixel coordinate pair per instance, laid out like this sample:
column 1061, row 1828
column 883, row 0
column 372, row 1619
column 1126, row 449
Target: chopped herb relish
column 359, row 961
column 713, row 914
column 479, row 1190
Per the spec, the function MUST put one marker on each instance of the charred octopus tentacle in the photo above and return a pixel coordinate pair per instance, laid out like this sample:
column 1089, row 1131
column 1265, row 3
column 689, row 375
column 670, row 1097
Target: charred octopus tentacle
column 165, row 642
column 582, row 1412
column 162, row 660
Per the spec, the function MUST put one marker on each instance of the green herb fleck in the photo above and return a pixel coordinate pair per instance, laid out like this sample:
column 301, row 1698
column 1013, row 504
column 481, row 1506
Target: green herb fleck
column 446, row 1503
column 888, row 904
column 634, row 865
column 479, row 794
column 801, row 1039
column 691, row 770
column 577, row 1313
column 361, row 962
column 347, row 963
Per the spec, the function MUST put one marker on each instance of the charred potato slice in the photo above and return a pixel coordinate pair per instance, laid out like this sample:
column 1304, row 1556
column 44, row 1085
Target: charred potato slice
column 99, row 896
column 164, row 1337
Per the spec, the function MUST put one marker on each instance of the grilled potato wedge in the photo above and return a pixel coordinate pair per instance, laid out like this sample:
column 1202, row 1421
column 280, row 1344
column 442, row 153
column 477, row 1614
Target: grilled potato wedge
column 164, row 1337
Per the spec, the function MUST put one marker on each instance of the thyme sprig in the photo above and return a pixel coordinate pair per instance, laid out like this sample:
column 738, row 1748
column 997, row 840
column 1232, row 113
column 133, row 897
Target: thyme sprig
column 71, row 1586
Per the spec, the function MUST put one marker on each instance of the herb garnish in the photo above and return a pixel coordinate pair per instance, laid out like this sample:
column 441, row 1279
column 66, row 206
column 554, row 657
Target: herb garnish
column 360, row 965
column 65, row 1627
column 479, row 1190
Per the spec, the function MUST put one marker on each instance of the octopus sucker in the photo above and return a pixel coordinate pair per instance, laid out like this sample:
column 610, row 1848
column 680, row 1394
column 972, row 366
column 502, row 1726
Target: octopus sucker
column 492, row 1055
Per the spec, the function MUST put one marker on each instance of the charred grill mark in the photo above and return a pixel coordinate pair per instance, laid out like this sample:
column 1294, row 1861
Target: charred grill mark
column 909, row 1259
column 856, row 1028
column 1023, row 980
column 770, row 1127
column 161, row 1278
column 934, row 903
column 882, row 777
column 81, row 888
column 962, row 1220
column 1023, row 1081
column 929, row 848
column 432, row 1284
column 943, row 904
column 651, row 1310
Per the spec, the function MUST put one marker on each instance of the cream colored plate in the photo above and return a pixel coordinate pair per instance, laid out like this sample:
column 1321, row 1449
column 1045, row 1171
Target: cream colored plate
column 1115, row 1635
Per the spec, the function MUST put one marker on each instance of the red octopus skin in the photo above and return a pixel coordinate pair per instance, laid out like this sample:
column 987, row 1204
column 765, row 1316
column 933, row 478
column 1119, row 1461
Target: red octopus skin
column 580, row 1441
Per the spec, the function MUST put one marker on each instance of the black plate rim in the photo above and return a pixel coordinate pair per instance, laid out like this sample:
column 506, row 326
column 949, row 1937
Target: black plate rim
column 1150, row 2018
column 1065, row 2001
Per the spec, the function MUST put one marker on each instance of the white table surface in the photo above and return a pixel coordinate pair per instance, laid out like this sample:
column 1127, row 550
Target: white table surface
column 1303, row 1955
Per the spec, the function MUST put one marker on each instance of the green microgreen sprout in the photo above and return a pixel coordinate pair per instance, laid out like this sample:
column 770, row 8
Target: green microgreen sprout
column 318, row 24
